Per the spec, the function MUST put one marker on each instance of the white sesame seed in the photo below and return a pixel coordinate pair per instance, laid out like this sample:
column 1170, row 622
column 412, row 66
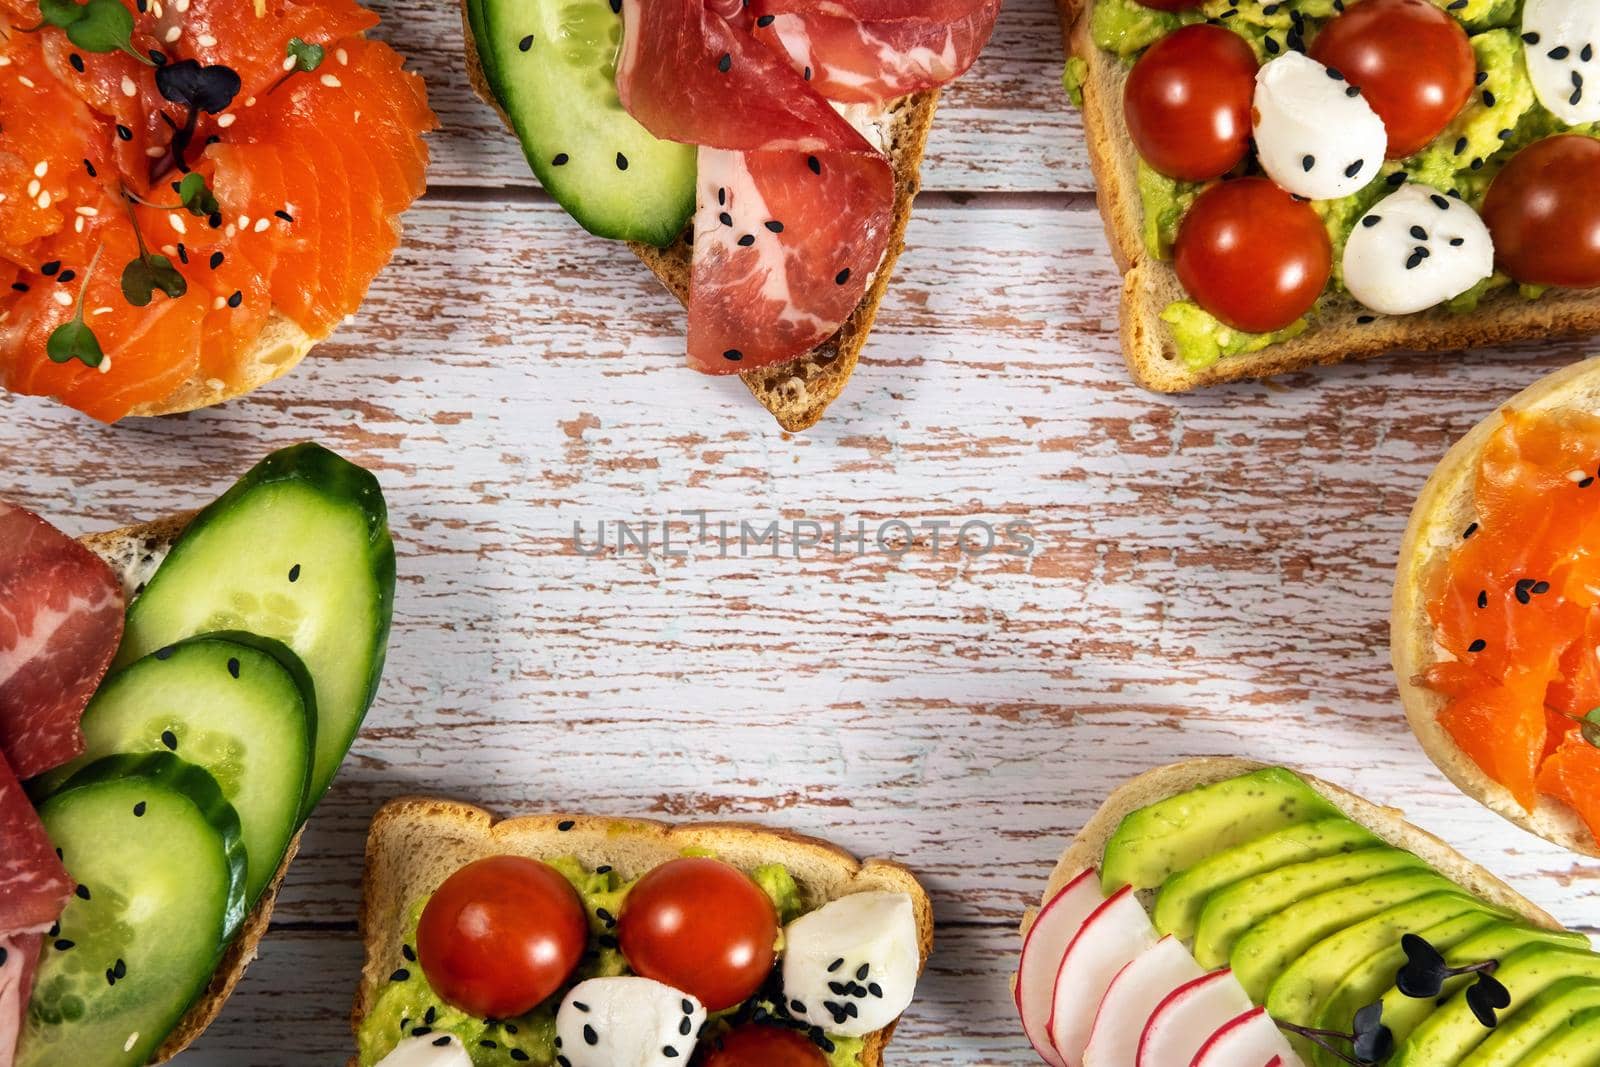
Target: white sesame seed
column 216, row 385
column 249, row 101
column 44, row 200
column 63, row 298
column 330, row 81
column 288, row 62
column 91, row 212
column 77, row 224
column 40, row 169
column 231, row 230
column 2, row 198
column 177, row 222
column 218, row 304
column 128, row 88
column 224, row 121
column 169, row 250
column 173, row 34
column 343, row 57
column 262, row 224
column 105, row 309
column 105, row 368
column 244, row 222
column 5, row 61
column 33, row 188
column 207, row 41
column 25, row 80
column 155, row 150
column 357, row 116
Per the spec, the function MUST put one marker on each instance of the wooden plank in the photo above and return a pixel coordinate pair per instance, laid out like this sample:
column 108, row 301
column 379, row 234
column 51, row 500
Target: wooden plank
column 1006, row 126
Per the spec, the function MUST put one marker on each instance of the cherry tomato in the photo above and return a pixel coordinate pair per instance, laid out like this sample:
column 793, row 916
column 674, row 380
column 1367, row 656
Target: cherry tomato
column 501, row 935
column 701, row 926
column 1544, row 214
column 764, row 1046
column 1410, row 59
column 1187, row 102
column 1252, row 255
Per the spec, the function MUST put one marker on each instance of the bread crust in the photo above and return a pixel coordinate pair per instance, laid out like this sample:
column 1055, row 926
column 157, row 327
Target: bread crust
column 133, row 553
column 415, row 842
column 277, row 350
column 1149, row 285
column 796, row 392
column 1087, row 848
column 1442, row 511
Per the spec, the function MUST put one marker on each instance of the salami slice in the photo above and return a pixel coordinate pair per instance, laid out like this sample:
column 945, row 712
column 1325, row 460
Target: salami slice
column 61, row 612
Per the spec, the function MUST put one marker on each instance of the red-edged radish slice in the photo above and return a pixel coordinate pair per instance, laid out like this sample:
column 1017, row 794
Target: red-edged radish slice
column 1246, row 1038
column 1111, row 937
column 1053, row 929
column 1188, row 1017
column 1133, row 996
column 1276, row 1061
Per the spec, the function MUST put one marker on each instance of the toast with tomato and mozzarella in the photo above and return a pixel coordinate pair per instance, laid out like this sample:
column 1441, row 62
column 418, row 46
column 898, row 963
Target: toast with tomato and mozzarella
column 760, row 158
column 1494, row 615
column 1286, row 184
column 634, row 933
column 1222, row 912
column 175, row 698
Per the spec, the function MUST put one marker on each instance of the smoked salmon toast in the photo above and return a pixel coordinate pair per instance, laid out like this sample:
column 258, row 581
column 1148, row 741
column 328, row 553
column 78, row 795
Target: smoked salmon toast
column 192, row 192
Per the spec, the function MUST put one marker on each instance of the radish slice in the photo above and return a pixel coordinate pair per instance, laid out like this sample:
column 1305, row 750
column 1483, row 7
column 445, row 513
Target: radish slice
column 1189, row 1016
column 1111, row 937
column 1244, row 1039
column 1053, row 929
column 1134, row 994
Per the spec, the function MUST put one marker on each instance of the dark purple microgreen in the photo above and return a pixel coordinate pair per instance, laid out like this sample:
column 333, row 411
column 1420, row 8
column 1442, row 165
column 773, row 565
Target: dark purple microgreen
column 208, row 88
column 1370, row 1041
column 1424, row 972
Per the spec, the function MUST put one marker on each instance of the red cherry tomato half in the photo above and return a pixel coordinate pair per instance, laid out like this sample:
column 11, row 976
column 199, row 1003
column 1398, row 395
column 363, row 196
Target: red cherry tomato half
column 501, row 935
column 701, row 926
column 1412, row 61
column 1252, row 255
column 1187, row 102
column 764, row 1046
column 1544, row 213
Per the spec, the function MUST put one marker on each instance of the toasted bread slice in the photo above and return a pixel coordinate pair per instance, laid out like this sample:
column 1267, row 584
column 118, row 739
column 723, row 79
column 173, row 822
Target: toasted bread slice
column 1150, row 285
column 799, row 391
column 1088, row 847
column 415, row 843
column 134, row 553
column 1442, row 512
column 277, row 350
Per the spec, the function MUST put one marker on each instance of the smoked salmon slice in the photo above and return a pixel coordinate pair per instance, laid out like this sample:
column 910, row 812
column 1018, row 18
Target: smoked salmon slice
column 308, row 163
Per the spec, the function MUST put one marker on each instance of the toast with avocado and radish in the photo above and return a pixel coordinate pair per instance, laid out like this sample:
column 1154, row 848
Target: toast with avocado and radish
column 794, row 950
column 1225, row 913
column 1493, row 628
column 254, row 639
column 1305, row 182
column 758, row 159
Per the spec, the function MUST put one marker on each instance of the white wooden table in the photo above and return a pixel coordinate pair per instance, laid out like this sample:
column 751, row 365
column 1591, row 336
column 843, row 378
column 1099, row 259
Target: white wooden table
column 1212, row 574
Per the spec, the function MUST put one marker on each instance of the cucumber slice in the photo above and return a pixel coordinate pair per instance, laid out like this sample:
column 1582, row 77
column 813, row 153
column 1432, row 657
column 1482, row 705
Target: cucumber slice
column 298, row 551
column 158, row 855
column 237, row 705
column 552, row 65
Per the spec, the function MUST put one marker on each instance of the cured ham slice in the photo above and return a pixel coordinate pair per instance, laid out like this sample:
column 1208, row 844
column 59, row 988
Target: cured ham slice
column 61, row 612
column 34, row 889
column 19, row 957
column 879, row 10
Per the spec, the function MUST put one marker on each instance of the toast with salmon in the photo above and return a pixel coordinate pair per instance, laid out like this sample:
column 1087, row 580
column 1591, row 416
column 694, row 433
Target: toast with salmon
column 1447, row 517
column 416, row 843
column 1337, row 327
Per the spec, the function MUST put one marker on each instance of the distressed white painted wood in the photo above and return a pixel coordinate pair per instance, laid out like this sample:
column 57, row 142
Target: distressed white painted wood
column 1211, row 576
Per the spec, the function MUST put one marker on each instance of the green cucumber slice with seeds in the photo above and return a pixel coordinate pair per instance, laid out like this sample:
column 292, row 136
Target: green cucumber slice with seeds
column 552, row 66
column 157, row 853
column 239, row 706
column 297, row 551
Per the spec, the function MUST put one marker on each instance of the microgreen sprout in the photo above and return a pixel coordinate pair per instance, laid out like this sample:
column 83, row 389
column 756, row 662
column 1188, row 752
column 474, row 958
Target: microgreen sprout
column 94, row 26
column 200, row 90
column 307, row 57
column 1590, row 727
column 148, row 271
column 1370, row 1041
column 1425, row 973
column 74, row 339
column 194, row 196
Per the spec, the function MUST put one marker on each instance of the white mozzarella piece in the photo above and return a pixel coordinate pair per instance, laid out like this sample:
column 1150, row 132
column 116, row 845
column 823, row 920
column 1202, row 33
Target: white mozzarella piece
column 1415, row 249
column 627, row 1022
column 1562, row 41
column 1316, row 136
column 851, row 966
column 430, row 1050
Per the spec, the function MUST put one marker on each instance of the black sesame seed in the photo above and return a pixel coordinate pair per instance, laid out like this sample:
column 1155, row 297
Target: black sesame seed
column 1457, row 242
column 622, row 161
column 66, row 276
column 421, row 1031
column 725, row 218
column 430, row 1015
column 1419, row 233
column 1308, row 162
column 1483, row 598
column 442, row 1041
column 725, row 63
column 589, row 1036
column 842, row 277
column 50, row 268
column 124, row 133
column 88, row 166
column 685, row 1026
column 616, row 7
column 1461, row 145
column 1366, row 320
column 1560, row 51
column 560, row 159
column 775, row 226
column 20, row 287
column 233, row 666
column 164, row 653
column 1488, row 98
column 1478, row 646
column 733, row 355
column 764, row 21
column 294, row 573
column 565, row 824
column 525, row 44
column 169, row 739
column 835, row 965
column 521, row 1056
column 1440, row 202
column 82, row 892
column 138, row 810
column 669, row 1052
column 77, row 62
column 235, row 299
column 63, row 944
column 1397, row 178
column 183, row 253
column 284, row 215
column 747, row 240
column 1540, row 588
column 1355, row 168
column 806, row 74
column 400, row 975
column 1530, row 38
column 1471, row 529
column 1353, row 91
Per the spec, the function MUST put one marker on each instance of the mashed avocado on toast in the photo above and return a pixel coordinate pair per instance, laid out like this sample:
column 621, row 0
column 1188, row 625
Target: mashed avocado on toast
column 409, row 1007
column 1501, row 117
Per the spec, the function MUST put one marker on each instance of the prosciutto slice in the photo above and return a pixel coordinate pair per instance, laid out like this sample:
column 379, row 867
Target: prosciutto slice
column 61, row 612
column 34, row 888
column 19, row 957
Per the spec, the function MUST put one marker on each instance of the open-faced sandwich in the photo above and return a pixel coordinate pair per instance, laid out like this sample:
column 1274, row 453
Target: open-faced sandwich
column 1496, row 625
column 147, row 815
column 577, row 941
column 1294, row 182
column 192, row 192
column 786, row 135
column 1218, row 913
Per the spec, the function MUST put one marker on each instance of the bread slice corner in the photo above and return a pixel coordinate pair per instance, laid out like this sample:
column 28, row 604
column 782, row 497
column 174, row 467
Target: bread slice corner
column 1443, row 510
column 415, row 843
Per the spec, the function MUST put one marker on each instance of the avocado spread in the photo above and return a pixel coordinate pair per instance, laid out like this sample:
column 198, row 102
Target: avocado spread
column 1500, row 119
column 407, row 1006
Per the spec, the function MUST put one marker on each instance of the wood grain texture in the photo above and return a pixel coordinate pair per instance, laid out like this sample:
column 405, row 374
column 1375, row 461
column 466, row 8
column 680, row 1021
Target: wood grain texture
column 1212, row 574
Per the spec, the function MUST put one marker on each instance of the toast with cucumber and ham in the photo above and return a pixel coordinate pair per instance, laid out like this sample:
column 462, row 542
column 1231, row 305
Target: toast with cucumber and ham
column 165, row 796
column 583, row 941
column 761, row 158
column 1294, row 183
column 1225, row 913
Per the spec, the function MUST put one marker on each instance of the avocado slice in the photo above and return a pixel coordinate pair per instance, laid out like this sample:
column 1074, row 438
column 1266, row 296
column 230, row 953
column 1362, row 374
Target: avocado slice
column 1450, row 1033
column 1546, row 1017
column 1314, row 968
column 1155, row 842
column 1576, row 1044
column 1181, row 897
column 1231, row 912
column 1367, row 981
